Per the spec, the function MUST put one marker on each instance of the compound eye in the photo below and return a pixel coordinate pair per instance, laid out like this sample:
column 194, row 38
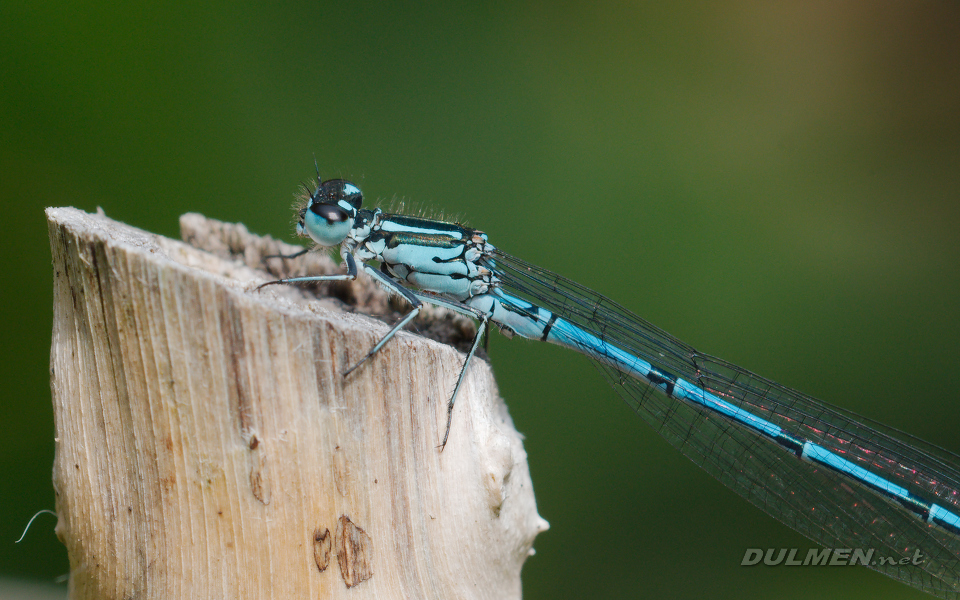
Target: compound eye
column 331, row 213
column 327, row 224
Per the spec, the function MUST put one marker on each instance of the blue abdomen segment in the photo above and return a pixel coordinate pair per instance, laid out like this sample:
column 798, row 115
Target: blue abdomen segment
column 530, row 321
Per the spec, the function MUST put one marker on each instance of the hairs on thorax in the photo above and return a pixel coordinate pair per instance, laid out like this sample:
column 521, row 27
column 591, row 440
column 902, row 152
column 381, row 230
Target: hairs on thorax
column 394, row 205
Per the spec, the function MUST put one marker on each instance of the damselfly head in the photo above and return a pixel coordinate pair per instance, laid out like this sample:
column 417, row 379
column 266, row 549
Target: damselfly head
column 330, row 212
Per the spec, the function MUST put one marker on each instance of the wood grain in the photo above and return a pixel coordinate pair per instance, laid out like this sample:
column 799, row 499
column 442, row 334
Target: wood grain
column 207, row 445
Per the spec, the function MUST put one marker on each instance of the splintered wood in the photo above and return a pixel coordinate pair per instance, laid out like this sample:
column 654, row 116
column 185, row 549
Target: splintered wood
column 207, row 445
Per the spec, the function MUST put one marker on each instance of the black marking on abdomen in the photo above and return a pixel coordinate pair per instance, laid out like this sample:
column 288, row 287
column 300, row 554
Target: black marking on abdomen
column 549, row 325
column 658, row 377
column 918, row 506
column 791, row 442
column 944, row 524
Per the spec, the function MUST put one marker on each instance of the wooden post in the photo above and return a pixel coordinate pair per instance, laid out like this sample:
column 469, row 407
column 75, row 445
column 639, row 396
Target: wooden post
column 207, row 445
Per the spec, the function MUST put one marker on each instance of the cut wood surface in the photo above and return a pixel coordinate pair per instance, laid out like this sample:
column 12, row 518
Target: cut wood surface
column 207, row 445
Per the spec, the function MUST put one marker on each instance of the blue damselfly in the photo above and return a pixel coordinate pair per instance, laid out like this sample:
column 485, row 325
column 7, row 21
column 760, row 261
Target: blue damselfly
column 841, row 480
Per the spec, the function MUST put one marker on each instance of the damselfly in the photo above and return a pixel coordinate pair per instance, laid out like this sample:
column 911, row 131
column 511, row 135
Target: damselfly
column 840, row 479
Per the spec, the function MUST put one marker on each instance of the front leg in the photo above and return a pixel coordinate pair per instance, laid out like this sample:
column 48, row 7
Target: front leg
column 350, row 275
column 395, row 287
column 288, row 256
column 416, row 300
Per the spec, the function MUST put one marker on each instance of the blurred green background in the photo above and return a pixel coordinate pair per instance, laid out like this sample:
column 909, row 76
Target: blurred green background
column 774, row 183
